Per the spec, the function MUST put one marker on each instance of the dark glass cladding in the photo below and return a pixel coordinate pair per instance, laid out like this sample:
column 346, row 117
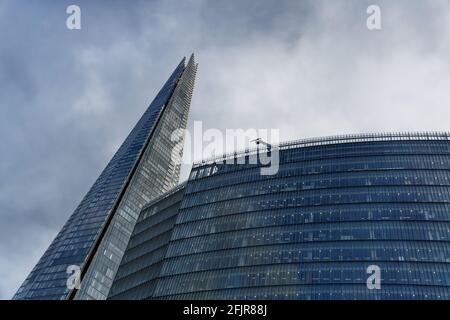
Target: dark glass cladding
column 75, row 241
column 312, row 230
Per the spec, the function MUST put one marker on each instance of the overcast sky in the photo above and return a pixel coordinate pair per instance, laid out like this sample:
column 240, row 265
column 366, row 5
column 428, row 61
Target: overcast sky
column 68, row 98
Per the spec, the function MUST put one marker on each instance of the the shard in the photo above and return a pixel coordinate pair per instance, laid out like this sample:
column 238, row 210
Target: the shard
column 91, row 243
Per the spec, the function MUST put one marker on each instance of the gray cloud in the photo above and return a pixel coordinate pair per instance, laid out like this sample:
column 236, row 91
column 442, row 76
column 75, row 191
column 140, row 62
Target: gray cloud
column 308, row 68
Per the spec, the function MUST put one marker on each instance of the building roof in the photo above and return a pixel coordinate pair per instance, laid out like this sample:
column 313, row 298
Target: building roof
column 339, row 139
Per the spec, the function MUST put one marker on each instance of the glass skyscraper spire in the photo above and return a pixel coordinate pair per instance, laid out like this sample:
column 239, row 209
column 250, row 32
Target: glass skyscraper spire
column 96, row 235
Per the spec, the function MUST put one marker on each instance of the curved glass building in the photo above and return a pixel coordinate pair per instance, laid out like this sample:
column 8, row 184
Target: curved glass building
column 348, row 217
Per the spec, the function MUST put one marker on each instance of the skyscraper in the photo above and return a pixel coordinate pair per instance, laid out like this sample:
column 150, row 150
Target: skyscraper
column 338, row 209
column 96, row 235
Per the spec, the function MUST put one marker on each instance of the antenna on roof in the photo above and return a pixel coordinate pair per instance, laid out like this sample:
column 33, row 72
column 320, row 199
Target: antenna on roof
column 259, row 141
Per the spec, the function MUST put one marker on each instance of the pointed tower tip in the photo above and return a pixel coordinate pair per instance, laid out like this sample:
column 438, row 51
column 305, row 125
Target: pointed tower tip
column 192, row 57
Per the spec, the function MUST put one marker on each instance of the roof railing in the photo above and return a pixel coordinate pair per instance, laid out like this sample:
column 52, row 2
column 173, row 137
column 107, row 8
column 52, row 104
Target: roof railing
column 338, row 139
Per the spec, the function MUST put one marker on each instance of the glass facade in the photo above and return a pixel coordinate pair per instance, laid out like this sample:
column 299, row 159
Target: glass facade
column 142, row 262
column 335, row 207
column 146, row 165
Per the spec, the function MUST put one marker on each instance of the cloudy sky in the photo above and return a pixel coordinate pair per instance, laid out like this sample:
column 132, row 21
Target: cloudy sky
column 68, row 98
